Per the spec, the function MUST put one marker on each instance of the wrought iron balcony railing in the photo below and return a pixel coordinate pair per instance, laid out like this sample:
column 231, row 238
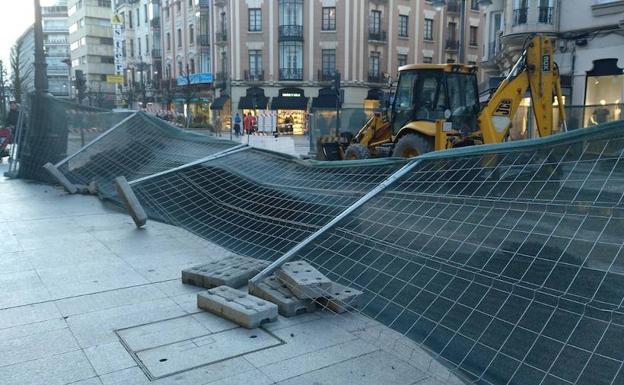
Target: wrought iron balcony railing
column 326, row 75
column 545, row 15
column 203, row 40
column 375, row 77
column 452, row 44
column 520, row 16
column 291, row 33
column 254, row 75
column 376, row 35
column 291, row 74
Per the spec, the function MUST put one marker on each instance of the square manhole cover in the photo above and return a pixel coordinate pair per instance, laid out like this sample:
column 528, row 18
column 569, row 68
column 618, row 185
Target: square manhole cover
column 168, row 347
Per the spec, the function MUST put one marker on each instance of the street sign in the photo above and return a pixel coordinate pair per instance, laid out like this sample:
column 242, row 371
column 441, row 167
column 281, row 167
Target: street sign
column 117, row 20
column 201, row 78
column 114, row 79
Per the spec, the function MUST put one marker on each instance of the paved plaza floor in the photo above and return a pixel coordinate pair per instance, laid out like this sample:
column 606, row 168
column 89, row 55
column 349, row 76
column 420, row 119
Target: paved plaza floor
column 86, row 298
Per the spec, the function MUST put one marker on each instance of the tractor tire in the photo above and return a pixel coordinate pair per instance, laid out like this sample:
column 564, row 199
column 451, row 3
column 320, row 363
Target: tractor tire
column 357, row 151
column 411, row 145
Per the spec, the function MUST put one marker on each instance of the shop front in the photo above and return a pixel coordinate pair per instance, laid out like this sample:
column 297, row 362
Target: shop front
column 253, row 101
column 222, row 114
column 604, row 92
column 292, row 111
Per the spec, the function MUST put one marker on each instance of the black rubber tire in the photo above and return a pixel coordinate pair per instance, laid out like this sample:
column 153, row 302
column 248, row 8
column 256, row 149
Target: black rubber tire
column 412, row 145
column 357, row 151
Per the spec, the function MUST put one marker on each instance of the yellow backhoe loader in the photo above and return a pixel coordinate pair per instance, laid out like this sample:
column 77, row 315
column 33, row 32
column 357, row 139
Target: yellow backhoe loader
column 436, row 107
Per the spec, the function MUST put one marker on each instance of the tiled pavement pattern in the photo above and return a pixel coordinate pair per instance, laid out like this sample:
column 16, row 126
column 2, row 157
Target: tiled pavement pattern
column 78, row 281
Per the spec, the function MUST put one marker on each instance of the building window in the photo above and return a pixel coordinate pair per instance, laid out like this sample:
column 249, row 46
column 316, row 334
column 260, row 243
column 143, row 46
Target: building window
column 428, row 35
column 290, row 12
column 131, row 48
column 139, row 50
column 180, row 69
column 427, row 59
column 474, row 5
column 403, row 23
column 104, row 3
column 255, row 63
column 402, row 60
column 178, row 7
column 373, row 64
column 328, row 20
column 520, row 11
column 291, row 60
column 190, row 4
column 167, row 13
column 545, row 11
column 255, row 20
column 191, row 34
column 147, row 45
column 179, row 38
column 145, row 14
column 192, row 61
column 138, row 14
column 474, row 33
column 375, row 22
column 328, row 62
column 130, row 20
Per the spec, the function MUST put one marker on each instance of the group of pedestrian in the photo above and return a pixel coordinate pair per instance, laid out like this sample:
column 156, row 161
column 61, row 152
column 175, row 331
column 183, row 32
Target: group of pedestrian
column 250, row 124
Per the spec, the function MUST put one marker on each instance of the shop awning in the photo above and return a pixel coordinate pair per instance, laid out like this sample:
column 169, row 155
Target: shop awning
column 374, row 94
column 253, row 100
column 247, row 103
column 219, row 102
column 326, row 99
column 289, row 103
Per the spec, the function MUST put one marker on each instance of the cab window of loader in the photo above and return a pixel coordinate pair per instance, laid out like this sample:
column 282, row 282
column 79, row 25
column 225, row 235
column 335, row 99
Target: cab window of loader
column 462, row 89
column 420, row 95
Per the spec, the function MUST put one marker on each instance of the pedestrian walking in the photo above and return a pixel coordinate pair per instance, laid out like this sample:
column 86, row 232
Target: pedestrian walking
column 237, row 123
column 247, row 124
column 254, row 123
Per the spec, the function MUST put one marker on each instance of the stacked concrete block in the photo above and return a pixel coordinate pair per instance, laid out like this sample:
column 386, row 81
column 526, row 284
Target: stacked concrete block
column 304, row 280
column 340, row 298
column 273, row 290
column 237, row 306
column 232, row 271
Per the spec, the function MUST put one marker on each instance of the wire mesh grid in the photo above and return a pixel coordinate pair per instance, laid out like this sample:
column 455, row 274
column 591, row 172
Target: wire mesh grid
column 257, row 203
column 139, row 146
column 505, row 266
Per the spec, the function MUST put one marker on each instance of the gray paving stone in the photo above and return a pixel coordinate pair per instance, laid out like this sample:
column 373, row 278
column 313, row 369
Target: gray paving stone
column 237, row 306
column 304, row 280
column 341, row 298
column 275, row 291
column 58, row 369
column 109, row 358
column 233, row 271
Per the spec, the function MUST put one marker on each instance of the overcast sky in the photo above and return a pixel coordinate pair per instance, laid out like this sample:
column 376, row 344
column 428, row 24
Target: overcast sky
column 15, row 17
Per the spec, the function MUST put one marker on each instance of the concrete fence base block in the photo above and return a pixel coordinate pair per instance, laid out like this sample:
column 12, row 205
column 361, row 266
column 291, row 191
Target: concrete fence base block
column 340, row 298
column 287, row 303
column 56, row 174
column 233, row 271
column 92, row 187
column 304, row 280
column 237, row 306
column 131, row 202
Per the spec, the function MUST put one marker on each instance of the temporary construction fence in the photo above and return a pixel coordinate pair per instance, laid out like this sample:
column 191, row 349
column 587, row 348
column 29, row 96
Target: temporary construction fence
column 506, row 262
column 50, row 128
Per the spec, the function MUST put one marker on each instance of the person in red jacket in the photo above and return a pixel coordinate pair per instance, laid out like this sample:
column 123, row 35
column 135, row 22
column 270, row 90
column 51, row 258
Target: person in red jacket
column 247, row 124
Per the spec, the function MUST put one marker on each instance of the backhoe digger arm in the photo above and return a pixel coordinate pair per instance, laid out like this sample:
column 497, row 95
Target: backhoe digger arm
column 535, row 71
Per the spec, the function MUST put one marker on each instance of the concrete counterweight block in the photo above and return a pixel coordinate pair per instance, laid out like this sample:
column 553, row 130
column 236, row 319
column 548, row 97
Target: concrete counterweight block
column 56, row 174
column 304, row 280
column 237, row 306
column 275, row 291
column 233, row 271
column 130, row 201
column 340, row 298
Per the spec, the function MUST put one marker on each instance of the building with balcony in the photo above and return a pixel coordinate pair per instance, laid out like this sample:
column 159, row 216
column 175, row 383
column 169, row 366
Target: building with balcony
column 142, row 51
column 56, row 46
column 25, row 46
column 291, row 50
column 187, row 41
column 91, row 47
column 589, row 47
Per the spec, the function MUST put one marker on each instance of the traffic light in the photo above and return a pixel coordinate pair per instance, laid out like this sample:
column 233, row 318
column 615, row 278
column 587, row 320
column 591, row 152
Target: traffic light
column 81, row 85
